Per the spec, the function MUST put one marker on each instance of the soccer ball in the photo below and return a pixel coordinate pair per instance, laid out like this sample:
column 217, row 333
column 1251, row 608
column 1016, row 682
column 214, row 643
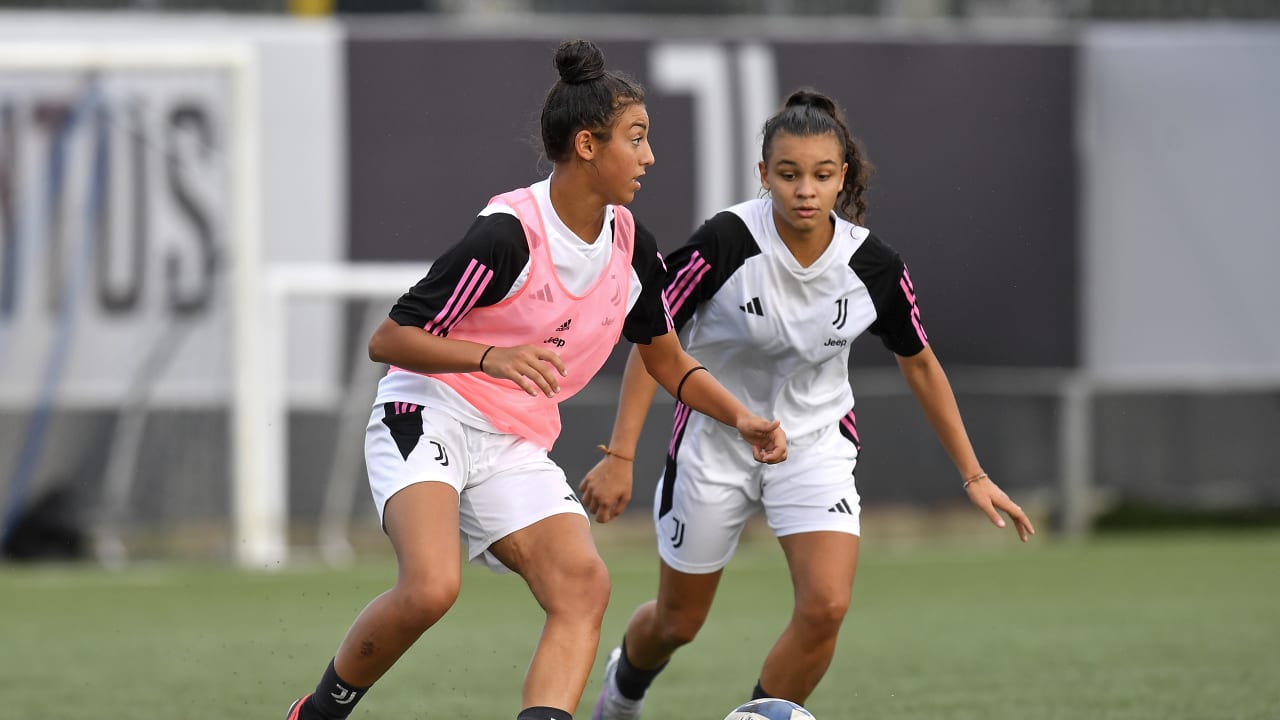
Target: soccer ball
column 769, row 709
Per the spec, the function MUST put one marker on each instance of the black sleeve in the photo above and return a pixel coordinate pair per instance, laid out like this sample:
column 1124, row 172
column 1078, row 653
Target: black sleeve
column 897, row 322
column 698, row 270
column 476, row 272
column 649, row 317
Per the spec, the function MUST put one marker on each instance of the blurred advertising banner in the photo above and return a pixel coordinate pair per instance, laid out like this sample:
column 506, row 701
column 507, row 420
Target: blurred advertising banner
column 114, row 219
column 138, row 157
column 973, row 141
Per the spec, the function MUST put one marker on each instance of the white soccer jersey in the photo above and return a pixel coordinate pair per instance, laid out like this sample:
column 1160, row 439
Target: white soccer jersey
column 776, row 334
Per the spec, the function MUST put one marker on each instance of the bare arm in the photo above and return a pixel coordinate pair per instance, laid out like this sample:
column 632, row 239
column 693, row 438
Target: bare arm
column 674, row 369
column 638, row 389
column 928, row 382
column 532, row 367
column 606, row 489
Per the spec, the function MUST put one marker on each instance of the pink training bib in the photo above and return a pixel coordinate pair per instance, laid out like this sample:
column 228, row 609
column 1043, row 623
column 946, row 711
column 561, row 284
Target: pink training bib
column 582, row 329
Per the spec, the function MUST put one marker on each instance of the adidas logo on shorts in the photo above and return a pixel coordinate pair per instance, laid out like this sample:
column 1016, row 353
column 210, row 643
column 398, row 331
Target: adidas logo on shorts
column 841, row 507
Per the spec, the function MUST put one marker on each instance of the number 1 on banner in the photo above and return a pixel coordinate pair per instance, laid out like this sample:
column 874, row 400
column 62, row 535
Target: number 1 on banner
column 706, row 72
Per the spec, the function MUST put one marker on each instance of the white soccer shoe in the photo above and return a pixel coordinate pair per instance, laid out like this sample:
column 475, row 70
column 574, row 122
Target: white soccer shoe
column 611, row 705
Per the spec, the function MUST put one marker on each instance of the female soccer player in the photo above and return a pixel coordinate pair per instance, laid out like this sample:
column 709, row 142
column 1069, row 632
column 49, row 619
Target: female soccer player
column 514, row 319
column 768, row 295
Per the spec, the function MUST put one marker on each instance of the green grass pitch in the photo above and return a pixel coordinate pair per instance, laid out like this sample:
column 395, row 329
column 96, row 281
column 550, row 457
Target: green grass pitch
column 1130, row 627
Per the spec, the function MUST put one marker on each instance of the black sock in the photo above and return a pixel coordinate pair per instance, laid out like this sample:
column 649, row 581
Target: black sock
column 632, row 681
column 759, row 692
column 334, row 698
column 542, row 712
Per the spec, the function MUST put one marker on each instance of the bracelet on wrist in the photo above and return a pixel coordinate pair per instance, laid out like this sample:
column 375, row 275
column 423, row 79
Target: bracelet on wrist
column 605, row 449
column 973, row 479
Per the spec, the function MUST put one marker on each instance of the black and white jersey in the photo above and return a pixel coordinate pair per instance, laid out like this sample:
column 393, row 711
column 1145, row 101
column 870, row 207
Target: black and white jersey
column 776, row 334
column 493, row 259
column 491, row 264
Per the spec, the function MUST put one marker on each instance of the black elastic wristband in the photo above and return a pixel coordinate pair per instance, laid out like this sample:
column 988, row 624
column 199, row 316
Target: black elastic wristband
column 482, row 357
column 680, row 387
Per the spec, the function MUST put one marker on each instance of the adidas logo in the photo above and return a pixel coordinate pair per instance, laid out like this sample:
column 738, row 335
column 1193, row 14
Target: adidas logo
column 841, row 507
column 565, row 325
column 752, row 307
column 570, row 498
column 544, row 294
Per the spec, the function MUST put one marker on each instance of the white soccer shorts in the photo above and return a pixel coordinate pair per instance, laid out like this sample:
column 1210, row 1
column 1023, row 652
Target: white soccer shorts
column 504, row 482
column 704, row 501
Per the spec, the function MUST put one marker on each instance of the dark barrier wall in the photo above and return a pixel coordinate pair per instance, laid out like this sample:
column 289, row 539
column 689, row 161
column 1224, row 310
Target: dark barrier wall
column 974, row 143
column 976, row 188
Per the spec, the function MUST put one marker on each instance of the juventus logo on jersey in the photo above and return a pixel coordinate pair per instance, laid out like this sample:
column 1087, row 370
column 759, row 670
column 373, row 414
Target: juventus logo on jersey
column 842, row 313
column 617, row 289
column 752, row 307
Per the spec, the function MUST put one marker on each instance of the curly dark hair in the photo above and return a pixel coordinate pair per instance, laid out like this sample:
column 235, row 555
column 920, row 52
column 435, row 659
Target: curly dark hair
column 808, row 112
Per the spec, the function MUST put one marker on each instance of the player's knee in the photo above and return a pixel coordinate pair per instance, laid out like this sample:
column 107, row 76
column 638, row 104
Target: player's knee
column 592, row 580
column 581, row 587
column 677, row 630
column 422, row 604
column 823, row 614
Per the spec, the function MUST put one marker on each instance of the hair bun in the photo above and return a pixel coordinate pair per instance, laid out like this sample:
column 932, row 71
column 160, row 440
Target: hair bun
column 579, row 61
column 809, row 97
